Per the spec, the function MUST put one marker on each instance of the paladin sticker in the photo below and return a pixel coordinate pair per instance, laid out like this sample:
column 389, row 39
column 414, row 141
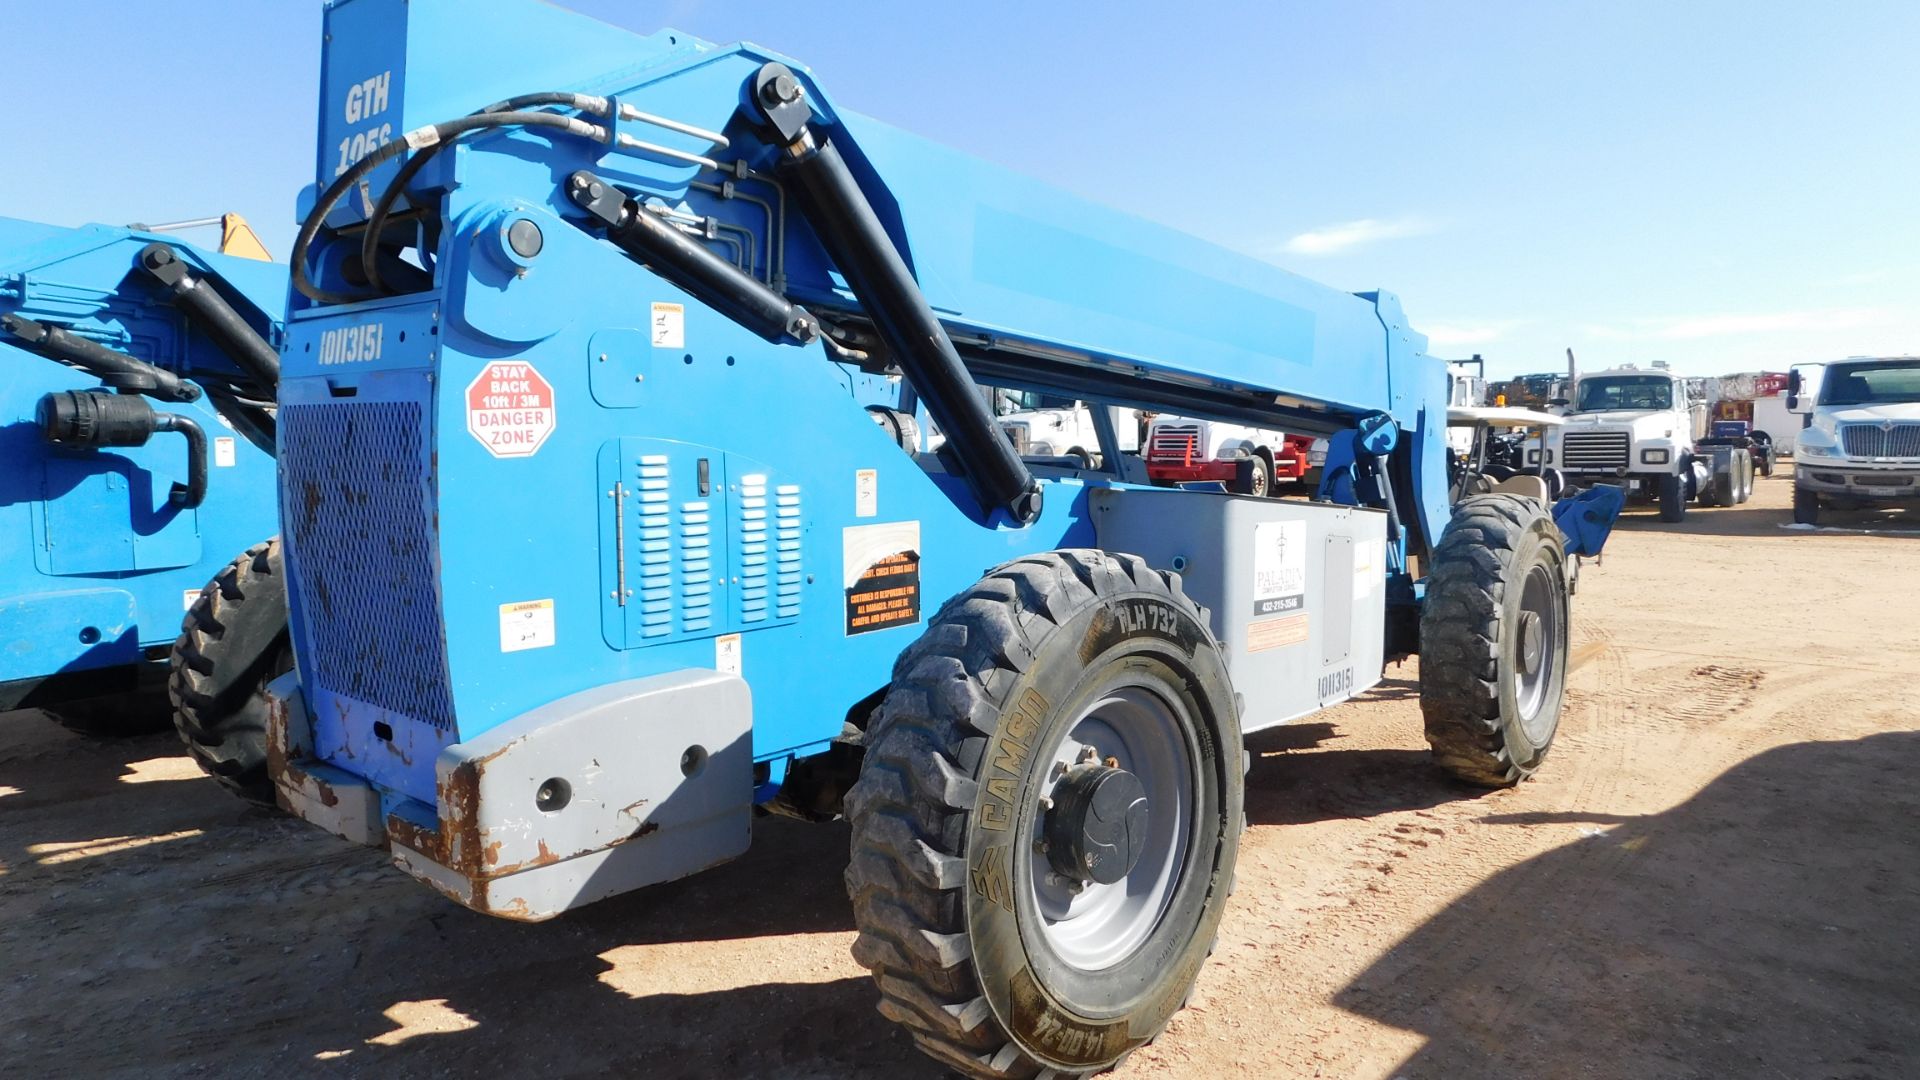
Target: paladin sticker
column 881, row 573
column 526, row 625
column 1279, row 567
column 866, row 492
column 510, row 408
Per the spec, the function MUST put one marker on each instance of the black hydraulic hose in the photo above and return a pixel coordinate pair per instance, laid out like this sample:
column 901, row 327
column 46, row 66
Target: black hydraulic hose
column 194, row 492
column 693, row 266
column 115, row 368
column 859, row 245
column 95, row 419
column 418, row 139
column 210, row 312
column 377, row 220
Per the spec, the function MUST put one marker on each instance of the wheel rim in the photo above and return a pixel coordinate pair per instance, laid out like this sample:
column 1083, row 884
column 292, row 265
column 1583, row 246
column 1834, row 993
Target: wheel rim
column 1536, row 646
column 1260, row 481
column 1098, row 926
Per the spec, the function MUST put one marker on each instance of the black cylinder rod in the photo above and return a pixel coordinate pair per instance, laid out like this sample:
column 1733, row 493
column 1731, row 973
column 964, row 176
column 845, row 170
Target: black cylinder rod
column 859, row 246
column 214, row 317
column 692, row 266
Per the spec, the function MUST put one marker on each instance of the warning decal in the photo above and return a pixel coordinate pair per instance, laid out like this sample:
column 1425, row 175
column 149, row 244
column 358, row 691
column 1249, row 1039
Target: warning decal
column 887, row 594
column 669, row 326
column 1279, row 567
column 526, row 625
column 881, row 572
column 1276, row 633
column 510, row 408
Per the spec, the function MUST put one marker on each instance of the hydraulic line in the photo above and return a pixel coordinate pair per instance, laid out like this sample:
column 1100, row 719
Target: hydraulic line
column 377, row 220
column 95, row 418
column 422, row 138
column 115, row 368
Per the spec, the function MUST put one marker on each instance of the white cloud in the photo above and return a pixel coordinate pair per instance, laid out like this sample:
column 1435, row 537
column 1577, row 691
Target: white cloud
column 1696, row 327
column 1473, row 332
column 1346, row 235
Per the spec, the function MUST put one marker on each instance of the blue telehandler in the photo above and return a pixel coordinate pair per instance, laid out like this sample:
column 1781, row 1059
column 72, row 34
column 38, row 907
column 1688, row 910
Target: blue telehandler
column 137, row 406
column 592, row 556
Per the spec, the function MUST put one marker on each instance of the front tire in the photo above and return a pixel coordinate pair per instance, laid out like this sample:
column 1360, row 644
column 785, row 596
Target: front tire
column 1493, row 640
column 1054, row 679
column 233, row 642
column 1806, row 506
column 1673, row 498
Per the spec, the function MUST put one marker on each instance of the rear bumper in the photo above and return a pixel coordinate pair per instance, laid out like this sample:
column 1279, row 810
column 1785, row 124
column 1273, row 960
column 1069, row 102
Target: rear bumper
column 1176, row 472
column 565, row 804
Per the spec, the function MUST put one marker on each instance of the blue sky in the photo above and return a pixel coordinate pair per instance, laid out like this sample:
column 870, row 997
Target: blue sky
column 1725, row 186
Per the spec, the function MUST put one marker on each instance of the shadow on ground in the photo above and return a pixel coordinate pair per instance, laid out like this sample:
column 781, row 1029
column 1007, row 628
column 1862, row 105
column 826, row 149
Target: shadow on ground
column 1300, row 773
column 1770, row 926
column 255, row 945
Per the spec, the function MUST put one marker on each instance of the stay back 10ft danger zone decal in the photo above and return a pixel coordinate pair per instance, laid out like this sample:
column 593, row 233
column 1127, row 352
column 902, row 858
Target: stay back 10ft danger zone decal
column 510, row 408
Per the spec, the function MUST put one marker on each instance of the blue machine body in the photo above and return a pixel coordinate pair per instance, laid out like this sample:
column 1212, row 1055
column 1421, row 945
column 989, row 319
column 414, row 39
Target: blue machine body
column 483, row 448
column 96, row 564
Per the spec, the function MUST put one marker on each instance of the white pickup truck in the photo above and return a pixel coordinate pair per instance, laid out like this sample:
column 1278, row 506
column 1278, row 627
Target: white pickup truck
column 1645, row 431
column 1860, row 448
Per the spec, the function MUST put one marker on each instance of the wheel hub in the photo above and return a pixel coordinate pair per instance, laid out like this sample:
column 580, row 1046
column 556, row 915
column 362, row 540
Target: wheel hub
column 1532, row 639
column 1096, row 829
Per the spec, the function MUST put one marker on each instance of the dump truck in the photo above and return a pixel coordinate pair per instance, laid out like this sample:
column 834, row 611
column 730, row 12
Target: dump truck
column 590, row 554
column 139, row 385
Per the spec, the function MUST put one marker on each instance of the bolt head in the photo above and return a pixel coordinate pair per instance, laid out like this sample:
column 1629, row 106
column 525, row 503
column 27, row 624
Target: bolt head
column 781, row 89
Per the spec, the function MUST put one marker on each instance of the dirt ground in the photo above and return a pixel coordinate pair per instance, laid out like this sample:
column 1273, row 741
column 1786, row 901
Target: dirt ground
column 1717, row 874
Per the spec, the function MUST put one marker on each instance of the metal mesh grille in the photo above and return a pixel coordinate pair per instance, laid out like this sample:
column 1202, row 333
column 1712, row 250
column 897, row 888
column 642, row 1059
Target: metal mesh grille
column 1875, row 440
column 355, row 496
column 1594, row 449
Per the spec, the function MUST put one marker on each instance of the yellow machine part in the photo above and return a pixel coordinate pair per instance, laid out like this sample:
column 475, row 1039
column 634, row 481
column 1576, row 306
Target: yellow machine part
column 238, row 238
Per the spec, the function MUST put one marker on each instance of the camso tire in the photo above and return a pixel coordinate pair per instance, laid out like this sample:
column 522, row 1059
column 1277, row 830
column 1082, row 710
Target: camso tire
column 232, row 643
column 1493, row 640
column 1045, row 826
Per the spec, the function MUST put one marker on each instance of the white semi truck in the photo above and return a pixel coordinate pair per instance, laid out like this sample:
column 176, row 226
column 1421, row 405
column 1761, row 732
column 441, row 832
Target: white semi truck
column 1860, row 446
column 1645, row 430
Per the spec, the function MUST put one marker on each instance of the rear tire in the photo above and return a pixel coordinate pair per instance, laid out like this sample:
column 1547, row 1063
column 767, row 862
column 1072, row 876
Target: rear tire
column 233, row 642
column 1493, row 640
column 1673, row 498
column 1806, row 506
column 979, row 947
column 1256, row 477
